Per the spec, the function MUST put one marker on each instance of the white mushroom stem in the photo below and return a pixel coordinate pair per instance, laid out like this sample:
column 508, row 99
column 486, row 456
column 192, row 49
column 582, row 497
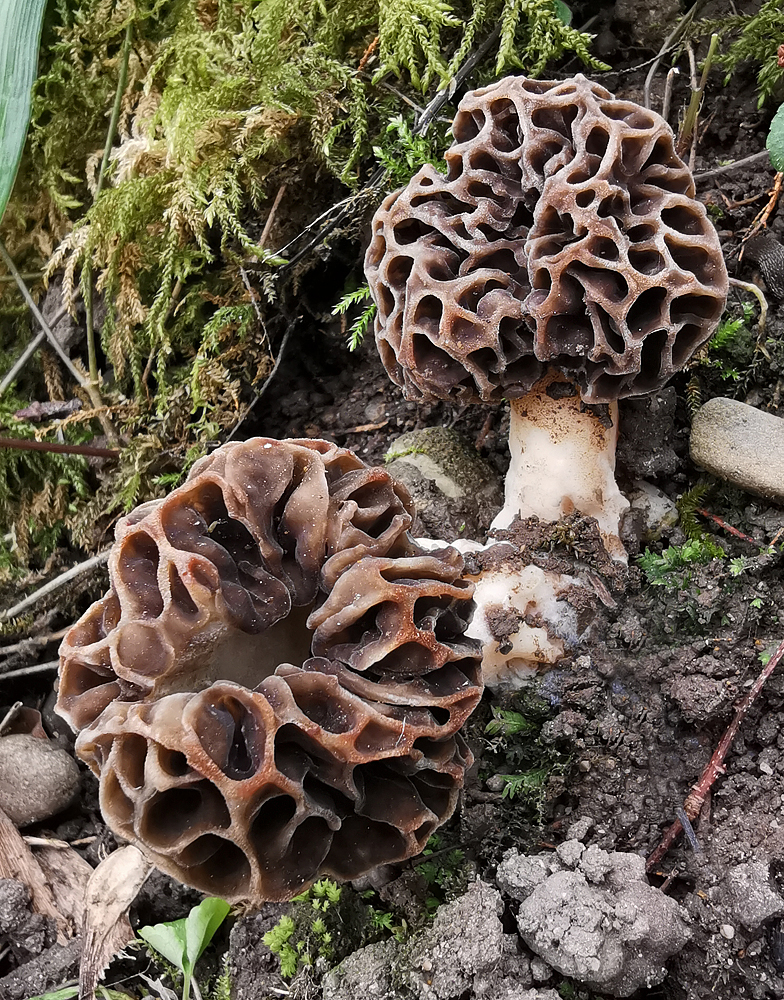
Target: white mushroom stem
column 563, row 461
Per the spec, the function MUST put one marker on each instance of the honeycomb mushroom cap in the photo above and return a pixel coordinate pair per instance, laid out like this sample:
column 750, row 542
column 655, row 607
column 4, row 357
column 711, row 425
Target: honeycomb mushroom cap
column 273, row 687
column 565, row 235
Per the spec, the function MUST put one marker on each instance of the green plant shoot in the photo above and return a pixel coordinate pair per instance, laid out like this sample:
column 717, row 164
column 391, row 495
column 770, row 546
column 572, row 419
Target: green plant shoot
column 182, row 942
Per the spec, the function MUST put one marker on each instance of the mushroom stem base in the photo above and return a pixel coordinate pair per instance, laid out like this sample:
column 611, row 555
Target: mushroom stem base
column 563, row 461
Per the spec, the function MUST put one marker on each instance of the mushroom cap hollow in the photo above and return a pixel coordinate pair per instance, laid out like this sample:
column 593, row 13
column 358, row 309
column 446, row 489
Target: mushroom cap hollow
column 564, row 236
column 273, row 687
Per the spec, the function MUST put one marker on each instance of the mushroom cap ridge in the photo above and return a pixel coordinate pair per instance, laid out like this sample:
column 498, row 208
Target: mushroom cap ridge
column 236, row 771
column 565, row 235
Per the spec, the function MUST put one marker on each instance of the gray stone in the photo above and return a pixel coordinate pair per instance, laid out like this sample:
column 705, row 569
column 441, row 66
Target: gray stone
column 569, row 853
column 746, row 892
column 519, row 875
column 465, row 948
column 615, row 935
column 457, row 494
column 365, row 973
column 37, row 779
column 465, row 939
column 741, row 444
column 656, row 512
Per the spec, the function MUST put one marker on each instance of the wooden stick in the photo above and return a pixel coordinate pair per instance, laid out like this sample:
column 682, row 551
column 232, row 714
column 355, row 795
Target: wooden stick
column 25, row 444
column 715, row 767
column 52, row 585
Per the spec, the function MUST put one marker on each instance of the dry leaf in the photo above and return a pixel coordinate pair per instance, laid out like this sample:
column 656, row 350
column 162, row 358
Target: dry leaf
column 112, row 888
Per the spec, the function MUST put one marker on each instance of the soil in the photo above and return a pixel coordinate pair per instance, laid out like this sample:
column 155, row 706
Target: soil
column 627, row 726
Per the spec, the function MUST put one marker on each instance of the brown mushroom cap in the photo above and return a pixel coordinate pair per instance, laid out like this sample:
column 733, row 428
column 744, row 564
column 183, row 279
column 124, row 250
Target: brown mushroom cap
column 273, row 687
column 565, row 235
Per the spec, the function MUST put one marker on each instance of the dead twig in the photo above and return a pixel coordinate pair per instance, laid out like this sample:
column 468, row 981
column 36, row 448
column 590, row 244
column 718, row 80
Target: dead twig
column 722, row 524
column 699, row 792
column 50, row 667
column 29, row 351
column 668, row 44
column 729, row 168
column 757, row 292
column 55, row 584
column 26, row 444
column 85, row 383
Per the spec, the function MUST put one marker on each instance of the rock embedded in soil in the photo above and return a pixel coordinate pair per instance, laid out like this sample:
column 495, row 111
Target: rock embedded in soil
column 748, row 896
column 464, row 949
column 740, row 444
column 457, row 494
column 37, row 779
column 593, row 916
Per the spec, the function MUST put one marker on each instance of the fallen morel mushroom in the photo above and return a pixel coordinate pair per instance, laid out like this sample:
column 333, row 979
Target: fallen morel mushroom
column 273, row 687
column 562, row 263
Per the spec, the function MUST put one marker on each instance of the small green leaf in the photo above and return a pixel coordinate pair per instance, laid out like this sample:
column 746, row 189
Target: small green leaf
column 183, row 941
column 168, row 940
column 20, row 37
column 563, row 12
column 201, row 924
column 775, row 143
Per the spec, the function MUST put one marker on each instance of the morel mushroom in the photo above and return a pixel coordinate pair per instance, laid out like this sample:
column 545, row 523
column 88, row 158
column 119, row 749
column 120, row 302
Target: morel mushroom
column 562, row 263
column 273, row 687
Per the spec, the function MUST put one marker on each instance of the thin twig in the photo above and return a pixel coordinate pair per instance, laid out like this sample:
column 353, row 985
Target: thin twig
column 268, row 224
column 39, row 668
column 688, row 132
column 9, row 716
column 92, row 390
column 443, row 95
column 722, row 524
column 55, row 584
column 665, row 111
column 696, row 797
column 31, row 642
column 729, row 168
column 29, row 351
column 669, row 43
column 25, row 444
column 267, row 381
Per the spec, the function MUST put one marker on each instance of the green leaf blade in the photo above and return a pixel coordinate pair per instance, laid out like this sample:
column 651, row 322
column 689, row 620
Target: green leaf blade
column 169, row 940
column 20, row 37
column 775, row 143
column 201, row 924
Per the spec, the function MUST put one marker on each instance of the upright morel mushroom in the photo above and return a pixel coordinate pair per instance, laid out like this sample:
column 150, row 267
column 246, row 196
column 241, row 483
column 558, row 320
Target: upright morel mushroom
column 562, row 263
column 273, row 687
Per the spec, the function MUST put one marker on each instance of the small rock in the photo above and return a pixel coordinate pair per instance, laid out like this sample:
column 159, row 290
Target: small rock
column 656, row 511
column 570, row 852
column 747, row 894
column 519, row 875
column 615, row 935
column 37, row 779
column 452, row 486
column 740, row 444
column 365, row 973
column 581, row 827
column 540, row 970
column 727, row 931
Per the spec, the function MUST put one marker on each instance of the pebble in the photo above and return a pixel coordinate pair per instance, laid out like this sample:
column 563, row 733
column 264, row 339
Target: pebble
column 740, row 444
column 37, row 779
column 727, row 931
